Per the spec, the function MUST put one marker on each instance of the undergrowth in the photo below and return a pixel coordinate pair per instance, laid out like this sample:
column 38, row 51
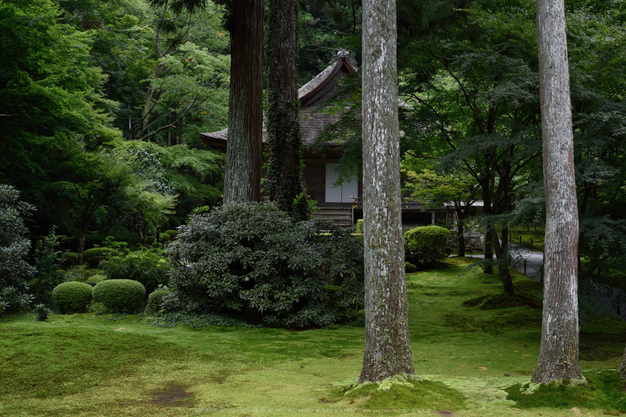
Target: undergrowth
column 196, row 321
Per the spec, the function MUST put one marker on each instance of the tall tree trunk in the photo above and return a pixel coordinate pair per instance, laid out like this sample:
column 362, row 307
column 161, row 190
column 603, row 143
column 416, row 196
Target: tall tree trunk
column 284, row 185
column 558, row 354
column 242, row 181
column 387, row 343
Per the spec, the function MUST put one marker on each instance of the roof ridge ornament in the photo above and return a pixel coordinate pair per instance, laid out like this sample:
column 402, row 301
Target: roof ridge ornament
column 345, row 54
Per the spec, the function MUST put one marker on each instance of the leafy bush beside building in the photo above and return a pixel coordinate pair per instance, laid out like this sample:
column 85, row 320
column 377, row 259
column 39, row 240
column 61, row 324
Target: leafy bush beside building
column 252, row 261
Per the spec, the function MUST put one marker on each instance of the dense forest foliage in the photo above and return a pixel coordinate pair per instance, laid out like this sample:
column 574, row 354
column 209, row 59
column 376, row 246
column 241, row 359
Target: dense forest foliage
column 102, row 102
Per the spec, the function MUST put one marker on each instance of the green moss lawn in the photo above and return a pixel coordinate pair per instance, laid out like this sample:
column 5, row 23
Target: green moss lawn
column 472, row 347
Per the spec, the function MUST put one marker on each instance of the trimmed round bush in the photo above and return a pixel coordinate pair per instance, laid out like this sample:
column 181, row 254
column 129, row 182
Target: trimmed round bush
column 359, row 226
column 164, row 237
column 94, row 256
column 409, row 267
column 71, row 258
column 72, row 297
column 173, row 233
column 120, row 295
column 430, row 243
column 96, row 279
column 154, row 300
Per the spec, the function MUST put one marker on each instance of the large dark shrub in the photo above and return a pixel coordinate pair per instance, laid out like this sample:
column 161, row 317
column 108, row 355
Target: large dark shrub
column 120, row 295
column 426, row 245
column 150, row 267
column 15, row 271
column 71, row 297
column 252, row 260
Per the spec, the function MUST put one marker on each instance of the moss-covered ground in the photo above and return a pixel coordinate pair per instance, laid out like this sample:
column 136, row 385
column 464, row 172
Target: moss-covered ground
column 473, row 349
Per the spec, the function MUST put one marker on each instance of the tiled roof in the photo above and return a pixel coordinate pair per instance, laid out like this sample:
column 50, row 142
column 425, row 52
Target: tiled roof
column 312, row 122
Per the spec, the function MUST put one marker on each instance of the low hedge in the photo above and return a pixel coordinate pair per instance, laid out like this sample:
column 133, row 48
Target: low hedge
column 72, row 297
column 120, row 295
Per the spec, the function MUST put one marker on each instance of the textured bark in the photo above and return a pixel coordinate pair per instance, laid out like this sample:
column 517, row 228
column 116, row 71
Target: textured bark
column 387, row 343
column 284, row 182
column 558, row 354
column 242, row 181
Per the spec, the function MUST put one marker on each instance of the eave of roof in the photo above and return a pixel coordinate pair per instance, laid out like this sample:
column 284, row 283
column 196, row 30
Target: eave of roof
column 310, row 127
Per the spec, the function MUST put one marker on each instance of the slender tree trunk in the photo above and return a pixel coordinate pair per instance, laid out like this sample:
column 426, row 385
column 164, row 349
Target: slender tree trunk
column 387, row 343
column 284, row 185
column 147, row 103
column 558, row 354
column 502, row 252
column 242, row 181
column 460, row 226
column 488, row 248
column 485, row 184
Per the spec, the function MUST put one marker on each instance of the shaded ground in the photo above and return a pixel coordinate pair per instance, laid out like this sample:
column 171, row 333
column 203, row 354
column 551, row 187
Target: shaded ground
column 594, row 297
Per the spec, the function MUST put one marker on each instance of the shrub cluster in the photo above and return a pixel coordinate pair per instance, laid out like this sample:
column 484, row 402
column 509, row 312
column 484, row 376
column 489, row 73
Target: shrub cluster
column 120, row 295
column 71, row 297
column 252, row 261
column 149, row 267
column 426, row 245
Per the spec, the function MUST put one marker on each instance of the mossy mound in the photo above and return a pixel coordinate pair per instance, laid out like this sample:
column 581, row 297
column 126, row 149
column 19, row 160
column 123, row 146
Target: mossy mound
column 603, row 389
column 405, row 392
column 497, row 301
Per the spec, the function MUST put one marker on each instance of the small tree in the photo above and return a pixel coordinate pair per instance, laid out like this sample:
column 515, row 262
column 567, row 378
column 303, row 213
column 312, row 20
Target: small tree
column 436, row 190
